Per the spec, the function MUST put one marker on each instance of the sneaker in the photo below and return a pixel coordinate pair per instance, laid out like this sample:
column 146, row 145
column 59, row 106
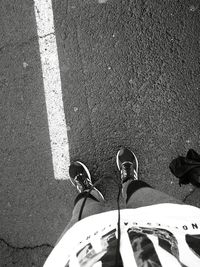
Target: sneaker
column 80, row 177
column 127, row 164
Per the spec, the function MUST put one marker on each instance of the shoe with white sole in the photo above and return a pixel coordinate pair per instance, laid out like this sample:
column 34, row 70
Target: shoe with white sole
column 127, row 164
column 80, row 177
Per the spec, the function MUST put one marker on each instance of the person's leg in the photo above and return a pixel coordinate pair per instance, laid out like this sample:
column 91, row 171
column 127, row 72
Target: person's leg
column 136, row 192
column 140, row 194
column 94, row 203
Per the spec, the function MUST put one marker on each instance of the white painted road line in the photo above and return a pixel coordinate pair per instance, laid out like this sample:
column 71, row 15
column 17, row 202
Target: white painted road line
column 52, row 88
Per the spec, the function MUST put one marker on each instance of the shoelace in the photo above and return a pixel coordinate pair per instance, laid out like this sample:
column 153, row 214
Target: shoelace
column 126, row 172
column 82, row 182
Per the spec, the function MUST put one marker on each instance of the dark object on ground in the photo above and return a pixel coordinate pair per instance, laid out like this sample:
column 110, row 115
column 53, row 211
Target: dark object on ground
column 187, row 169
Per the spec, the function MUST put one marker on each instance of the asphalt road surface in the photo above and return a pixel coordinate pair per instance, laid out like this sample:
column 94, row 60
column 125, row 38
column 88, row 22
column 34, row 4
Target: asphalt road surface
column 130, row 76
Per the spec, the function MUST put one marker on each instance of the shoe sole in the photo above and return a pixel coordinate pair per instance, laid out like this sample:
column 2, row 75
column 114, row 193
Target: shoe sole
column 86, row 170
column 117, row 160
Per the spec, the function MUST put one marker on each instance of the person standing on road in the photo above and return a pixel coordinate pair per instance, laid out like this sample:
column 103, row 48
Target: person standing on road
column 154, row 229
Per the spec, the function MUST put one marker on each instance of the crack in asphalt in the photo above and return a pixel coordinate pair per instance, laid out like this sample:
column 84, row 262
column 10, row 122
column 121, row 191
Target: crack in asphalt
column 16, row 45
column 25, row 247
column 46, row 35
